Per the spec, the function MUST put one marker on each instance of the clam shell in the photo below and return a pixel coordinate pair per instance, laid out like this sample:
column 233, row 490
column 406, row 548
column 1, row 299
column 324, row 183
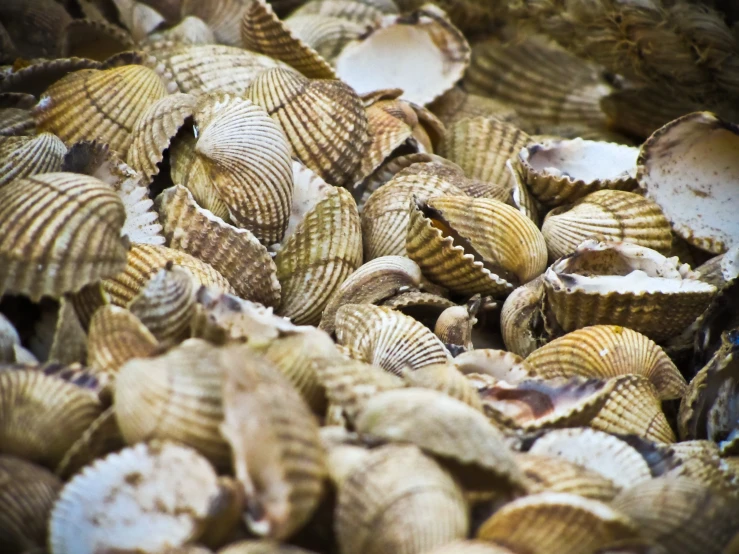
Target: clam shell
column 522, row 318
column 686, row 167
column 499, row 364
column 556, row 522
column 34, row 27
column 261, row 547
column 222, row 16
column 333, row 150
column 387, row 338
column 191, row 30
column 700, row 461
column 445, row 378
column 69, row 344
column 547, row 473
column 470, row 547
column 146, row 497
column 61, row 232
column 138, row 17
column 42, row 415
column 604, row 351
column 611, row 215
column 114, row 100
column 398, row 500
column 358, row 12
column 454, row 326
column 26, row 156
column 457, row 104
column 235, row 253
column 327, row 35
column 27, row 494
column 16, row 122
column 95, row 40
column 9, row 340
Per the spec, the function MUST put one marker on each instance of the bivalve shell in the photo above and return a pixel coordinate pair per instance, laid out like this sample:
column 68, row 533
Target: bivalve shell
column 445, row 378
column 26, row 156
column 549, row 473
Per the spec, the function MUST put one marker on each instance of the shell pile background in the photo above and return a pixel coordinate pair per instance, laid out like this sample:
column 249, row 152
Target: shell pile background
column 369, row 277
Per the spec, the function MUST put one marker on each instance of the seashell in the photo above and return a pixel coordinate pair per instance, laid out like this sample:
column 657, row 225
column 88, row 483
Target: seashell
column 175, row 396
column 86, row 302
column 722, row 270
column 69, row 343
column 145, row 260
column 446, row 428
column 375, row 281
column 556, row 522
column 386, row 338
column 389, row 57
column 471, row 547
column 681, row 514
column 597, row 451
column 138, row 17
column 484, row 259
column 103, row 116
column 84, row 245
column 145, row 498
column 522, row 318
column 33, row 27
column 454, row 326
column 357, row 12
column 10, row 341
column 604, row 351
column 263, row 32
column 26, row 156
column 686, row 168
column 700, row 461
column 277, row 452
column 398, row 500
column 191, row 30
column 444, row 378
column 261, row 547
column 222, row 17
column 16, row 122
column 327, row 35
column 61, row 412
column 624, row 284
column 95, row 40
column 499, row 364
column 424, row 307
column 27, row 494
column 297, row 103
column 235, row 253
column 457, row 104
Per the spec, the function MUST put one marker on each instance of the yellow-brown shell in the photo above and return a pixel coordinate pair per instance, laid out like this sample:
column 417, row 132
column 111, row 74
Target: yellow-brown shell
column 446, row 378
column 25, row 156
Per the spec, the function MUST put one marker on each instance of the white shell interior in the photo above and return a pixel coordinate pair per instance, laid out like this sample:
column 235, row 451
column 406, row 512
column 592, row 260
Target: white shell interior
column 583, row 160
column 309, row 190
column 691, row 170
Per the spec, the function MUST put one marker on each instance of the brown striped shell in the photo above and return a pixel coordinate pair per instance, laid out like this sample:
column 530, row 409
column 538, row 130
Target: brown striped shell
column 25, row 156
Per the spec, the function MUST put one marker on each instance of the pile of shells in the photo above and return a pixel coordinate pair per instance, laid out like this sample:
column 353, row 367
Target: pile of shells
column 366, row 277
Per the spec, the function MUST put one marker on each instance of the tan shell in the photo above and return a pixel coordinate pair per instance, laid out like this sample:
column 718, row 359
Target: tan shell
column 278, row 456
column 17, row 122
column 235, row 253
column 700, row 461
column 261, row 547
column 556, row 522
column 604, row 351
column 522, row 318
column 471, row 547
column 113, row 101
column 398, row 500
column 191, row 30
column 548, row 473
column 457, row 104
column 334, row 151
column 95, row 39
column 143, row 498
column 454, row 325
column 499, row 364
column 611, row 215
column 387, row 338
column 222, row 16
column 445, row 378
column 138, row 17
column 26, row 156
column 61, row 232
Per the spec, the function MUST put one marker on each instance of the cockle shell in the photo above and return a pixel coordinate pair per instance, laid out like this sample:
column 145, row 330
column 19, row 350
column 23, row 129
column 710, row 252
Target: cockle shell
column 262, row 547
column 549, row 473
column 457, row 104
column 454, row 326
column 471, row 547
column 138, row 17
column 17, row 122
column 222, row 16
column 26, row 156
column 522, row 319
column 444, row 378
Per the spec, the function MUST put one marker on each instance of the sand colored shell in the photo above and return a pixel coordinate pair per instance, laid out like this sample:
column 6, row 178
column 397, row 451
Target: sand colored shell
column 333, row 149
column 611, row 215
column 16, row 122
column 235, row 253
column 445, row 378
column 562, row 171
column 278, row 456
column 146, row 497
column 548, row 473
column 604, row 351
column 145, row 260
column 522, row 321
column 457, row 104
column 26, row 156
column 27, row 494
column 556, row 522
column 222, row 16
column 686, row 167
column 454, row 326
column 328, row 34
column 95, row 39
column 42, row 415
column 722, row 270
column 262, row 547
column 397, row 499
column 387, row 338
column 138, row 17
column 625, row 284
column 176, row 396
column 191, row 30
column 700, row 461
column 394, row 53
column 471, row 547
column 61, row 232
column 114, row 100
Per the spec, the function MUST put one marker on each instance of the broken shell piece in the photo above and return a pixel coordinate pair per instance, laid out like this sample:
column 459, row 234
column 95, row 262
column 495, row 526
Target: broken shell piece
column 688, row 168
column 26, row 156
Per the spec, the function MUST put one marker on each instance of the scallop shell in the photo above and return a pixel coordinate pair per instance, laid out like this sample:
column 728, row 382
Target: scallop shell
column 398, row 500
column 69, row 343
column 687, row 168
column 604, row 351
column 146, row 497
column 387, row 338
column 62, row 231
column 334, row 149
column 222, row 16
column 114, row 100
column 445, row 378
column 611, row 215
column 26, row 156
column 548, row 473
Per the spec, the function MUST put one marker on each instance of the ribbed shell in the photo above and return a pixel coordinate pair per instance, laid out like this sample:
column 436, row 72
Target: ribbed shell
column 456, row 105
column 470, row 547
column 99, row 105
column 222, row 16
column 191, row 30
column 324, row 120
column 548, row 473
column 398, row 500
column 61, row 231
column 144, row 260
column 261, row 547
column 556, row 522
column 324, row 249
column 176, row 396
column 235, row 253
column 604, row 351
column 327, row 34
column 16, row 122
column 387, row 338
column 247, row 157
column 42, row 415
column 26, row 156
column 521, row 318
column 611, row 215
column 144, row 498
column 447, row 379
